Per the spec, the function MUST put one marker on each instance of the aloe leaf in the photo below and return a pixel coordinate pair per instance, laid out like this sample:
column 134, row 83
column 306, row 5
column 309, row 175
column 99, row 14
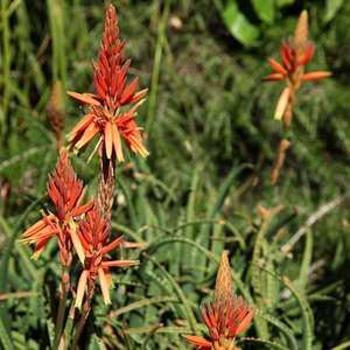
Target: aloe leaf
column 4, row 337
column 332, row 7
column 265, row 10
column 238, row 25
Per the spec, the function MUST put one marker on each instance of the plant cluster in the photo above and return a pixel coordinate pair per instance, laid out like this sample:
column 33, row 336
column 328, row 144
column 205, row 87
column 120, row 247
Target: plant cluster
column 89, row 250
column 84, row 231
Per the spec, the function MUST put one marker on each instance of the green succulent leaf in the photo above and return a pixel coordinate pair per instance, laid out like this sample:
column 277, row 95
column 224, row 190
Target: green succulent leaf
column 265, row 10
column 238, row 25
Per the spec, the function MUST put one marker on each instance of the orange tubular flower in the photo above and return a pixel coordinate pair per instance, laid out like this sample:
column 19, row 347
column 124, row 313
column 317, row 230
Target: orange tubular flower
column 66, row 192
column 225, row 317
column 108, row 113
column 93, row 234
column 295, row 54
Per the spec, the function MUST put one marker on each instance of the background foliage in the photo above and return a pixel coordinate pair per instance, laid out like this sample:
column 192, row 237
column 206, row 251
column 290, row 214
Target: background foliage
column 209, row 127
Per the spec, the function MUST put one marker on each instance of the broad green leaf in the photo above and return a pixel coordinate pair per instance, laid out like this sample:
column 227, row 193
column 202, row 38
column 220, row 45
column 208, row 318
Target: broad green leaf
column 238, row 25
column 332, row 7
column 265, row 10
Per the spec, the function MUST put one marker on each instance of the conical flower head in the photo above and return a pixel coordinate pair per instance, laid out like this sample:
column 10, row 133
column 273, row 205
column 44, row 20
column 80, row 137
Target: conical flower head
column 112, row 110
column 226, row 316
column 66, row 192
column 301, row 33
column 223, row 286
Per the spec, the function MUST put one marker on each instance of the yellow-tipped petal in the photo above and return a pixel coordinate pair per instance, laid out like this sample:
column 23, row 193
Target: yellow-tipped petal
column 85, row 98
column 81, row 289
column 37, row 253
column 39, row 225
column 88, row 134
column 76, row 242
column 109, row 279
column 282, row 104
column 117, row 142
column 120, row 263
column 81, row 126
column 104, row 286
column 137, row 146
column 108, row 140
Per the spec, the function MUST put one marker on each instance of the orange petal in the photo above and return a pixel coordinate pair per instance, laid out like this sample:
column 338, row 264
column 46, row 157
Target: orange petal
column 35, row 228
column 307, row 55
column 43, row 233
column 282, row 104
column 84, row 98
column 117, row 143
column 82, row 209
column 245, row 322
column 89, row 133
column 104, row 286
column 139, row 96
column 83, row 124
column 277, row 67
column 200, row 342
column 81, row 289
column 274, row 77
column 129, row 91
column 316, row 75
column 39, row 247
column 112, row 245
column 108, row 139
column 120, row 263
column 287, row 55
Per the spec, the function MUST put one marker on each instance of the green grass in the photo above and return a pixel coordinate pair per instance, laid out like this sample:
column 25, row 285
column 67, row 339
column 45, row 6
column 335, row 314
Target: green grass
column 212, row 140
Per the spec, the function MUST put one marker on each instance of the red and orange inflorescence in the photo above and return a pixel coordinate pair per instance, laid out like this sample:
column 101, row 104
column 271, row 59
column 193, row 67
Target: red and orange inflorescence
column 225, row 317
column 296, row 54
column 66, row 192
column 94, row 233
column 113, row 108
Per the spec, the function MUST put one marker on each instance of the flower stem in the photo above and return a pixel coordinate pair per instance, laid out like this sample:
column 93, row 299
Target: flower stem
column 61, row 308
column 80, row 326
column 85, row 313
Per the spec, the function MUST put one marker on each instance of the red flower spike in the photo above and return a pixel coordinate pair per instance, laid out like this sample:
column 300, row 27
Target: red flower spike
column 93, row 234
column 295, row 55
column 109, row 116
column 226, row 316
column 66, row 192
